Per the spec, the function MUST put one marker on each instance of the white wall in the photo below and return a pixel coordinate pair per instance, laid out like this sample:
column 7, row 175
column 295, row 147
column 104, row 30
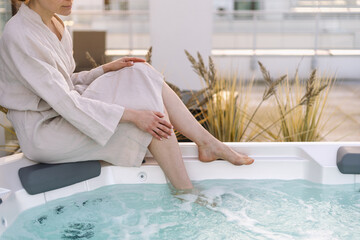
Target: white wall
column 174, row 27
column 88, row 5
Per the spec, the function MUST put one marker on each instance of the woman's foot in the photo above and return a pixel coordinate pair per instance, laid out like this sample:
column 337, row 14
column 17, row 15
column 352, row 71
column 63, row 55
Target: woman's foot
column 216, row 149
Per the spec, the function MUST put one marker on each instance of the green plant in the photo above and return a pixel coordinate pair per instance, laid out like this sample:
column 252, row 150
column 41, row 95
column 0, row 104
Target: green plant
column 227, row 113
column 228, row 118
column 91, row 60
column 148, row 55
column 208, row 75
column 10, row 148
column 3, row 109
column 306, row 122
column 270, row 90
column 224, row 104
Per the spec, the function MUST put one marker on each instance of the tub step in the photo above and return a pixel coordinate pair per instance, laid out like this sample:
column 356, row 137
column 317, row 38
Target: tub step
column 42, row 177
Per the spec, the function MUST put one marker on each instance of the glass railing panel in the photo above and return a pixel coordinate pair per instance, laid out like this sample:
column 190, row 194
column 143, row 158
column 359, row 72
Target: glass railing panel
column 286, row 30
column 125, row 29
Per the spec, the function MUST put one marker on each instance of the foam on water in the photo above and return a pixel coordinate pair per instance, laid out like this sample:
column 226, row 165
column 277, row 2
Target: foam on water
column 219, row 209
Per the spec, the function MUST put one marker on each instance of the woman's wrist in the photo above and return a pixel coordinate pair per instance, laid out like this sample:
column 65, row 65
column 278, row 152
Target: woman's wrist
column 106, row 68
column 129, row 115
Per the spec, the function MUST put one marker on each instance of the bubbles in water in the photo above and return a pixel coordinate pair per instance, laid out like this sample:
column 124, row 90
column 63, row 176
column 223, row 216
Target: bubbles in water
column 78, row 231
column 217, row 209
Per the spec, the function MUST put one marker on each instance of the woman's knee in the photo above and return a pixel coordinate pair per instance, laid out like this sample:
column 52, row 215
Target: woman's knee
column 148, row 70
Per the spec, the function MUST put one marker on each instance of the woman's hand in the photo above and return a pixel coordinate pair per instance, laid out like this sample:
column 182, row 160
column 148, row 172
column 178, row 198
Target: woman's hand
column 149, row 121
column 121, row 63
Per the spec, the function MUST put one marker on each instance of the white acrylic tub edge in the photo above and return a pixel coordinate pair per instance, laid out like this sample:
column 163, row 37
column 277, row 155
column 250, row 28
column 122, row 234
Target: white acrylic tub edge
column 315, row 162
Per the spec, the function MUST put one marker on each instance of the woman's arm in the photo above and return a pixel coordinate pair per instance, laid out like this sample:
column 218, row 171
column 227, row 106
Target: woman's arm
column 87, row 77
column 149, row 121
column 121, row 63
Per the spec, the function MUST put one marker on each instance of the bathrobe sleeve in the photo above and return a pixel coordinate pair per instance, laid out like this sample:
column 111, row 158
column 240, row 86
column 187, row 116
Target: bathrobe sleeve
column 86, row 77
column 83, row 79
column 35, row 67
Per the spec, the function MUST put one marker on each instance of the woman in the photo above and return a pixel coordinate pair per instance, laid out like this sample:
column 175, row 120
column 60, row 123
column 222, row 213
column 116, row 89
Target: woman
column 113, row 112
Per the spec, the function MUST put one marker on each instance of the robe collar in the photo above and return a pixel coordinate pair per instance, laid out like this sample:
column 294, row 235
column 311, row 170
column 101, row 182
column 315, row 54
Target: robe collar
column 31, row 15
column 65, row 63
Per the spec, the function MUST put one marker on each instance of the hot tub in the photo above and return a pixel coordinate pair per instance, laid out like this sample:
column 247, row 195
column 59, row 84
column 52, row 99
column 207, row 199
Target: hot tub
column 315, row 162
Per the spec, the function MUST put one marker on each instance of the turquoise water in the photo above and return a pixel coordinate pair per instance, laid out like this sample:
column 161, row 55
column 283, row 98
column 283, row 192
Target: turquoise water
column 222, row 209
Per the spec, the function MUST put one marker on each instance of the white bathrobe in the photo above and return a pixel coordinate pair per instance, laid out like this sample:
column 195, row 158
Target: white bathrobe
column 61, row 116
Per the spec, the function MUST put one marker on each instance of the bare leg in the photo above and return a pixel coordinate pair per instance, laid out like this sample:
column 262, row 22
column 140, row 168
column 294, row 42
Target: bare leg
column 209, row 147
column 167, row 153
